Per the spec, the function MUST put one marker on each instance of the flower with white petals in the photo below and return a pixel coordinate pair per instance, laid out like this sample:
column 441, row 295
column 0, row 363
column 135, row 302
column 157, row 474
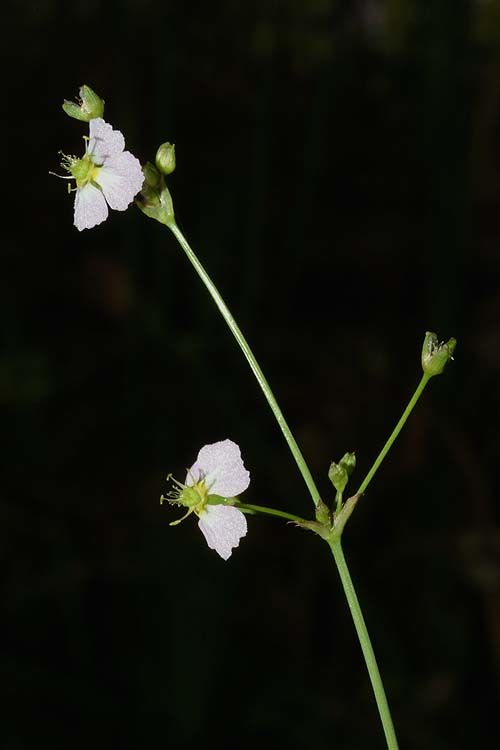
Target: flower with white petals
column 105, row 176
column 217, row 475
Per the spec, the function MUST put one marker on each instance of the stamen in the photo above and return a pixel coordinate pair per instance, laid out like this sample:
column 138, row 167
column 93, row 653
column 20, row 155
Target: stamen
column 62, row 176
column 174, row 523
column 179, row 484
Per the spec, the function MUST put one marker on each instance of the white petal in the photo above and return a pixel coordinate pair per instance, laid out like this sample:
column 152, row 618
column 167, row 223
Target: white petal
column 90, row 207
column 104, row 142
column 222, row 468
column 121, row 179
column 223, row 526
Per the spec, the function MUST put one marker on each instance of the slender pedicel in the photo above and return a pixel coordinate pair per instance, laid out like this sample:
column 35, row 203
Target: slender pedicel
column 252, row 361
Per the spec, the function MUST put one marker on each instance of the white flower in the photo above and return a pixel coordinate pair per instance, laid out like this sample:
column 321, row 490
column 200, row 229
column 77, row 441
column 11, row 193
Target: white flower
column 218, row 470
column 106, row 175
column 220, row 467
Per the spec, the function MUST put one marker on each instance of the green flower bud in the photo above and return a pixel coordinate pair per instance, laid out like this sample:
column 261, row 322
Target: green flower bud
column 435, row 355
column 154, row 199
column 323, row 513
column 89, row 107
column 339, row 474
column 165, row 158
column 348, row 461
column 152, row 178
column 151, row 187
column 157, row 203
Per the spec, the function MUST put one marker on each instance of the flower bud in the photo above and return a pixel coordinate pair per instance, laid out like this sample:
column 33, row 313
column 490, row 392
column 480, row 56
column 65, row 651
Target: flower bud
column 152, row 177
column 323, row 513
column 151, row 187
column 156, row 202
column 339, row 474
column 89, row 107
column 348, row 461
column 435, row 355
column 165, row 158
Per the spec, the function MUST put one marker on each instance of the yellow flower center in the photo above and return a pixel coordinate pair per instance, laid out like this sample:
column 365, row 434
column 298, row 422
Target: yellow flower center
column 195, row 496
column 84, row 171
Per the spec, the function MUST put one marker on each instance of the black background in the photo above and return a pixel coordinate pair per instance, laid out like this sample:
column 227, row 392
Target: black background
column 338, row 172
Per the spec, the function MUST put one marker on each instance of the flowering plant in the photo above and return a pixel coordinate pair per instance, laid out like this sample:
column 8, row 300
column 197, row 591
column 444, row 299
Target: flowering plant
column 107, row 175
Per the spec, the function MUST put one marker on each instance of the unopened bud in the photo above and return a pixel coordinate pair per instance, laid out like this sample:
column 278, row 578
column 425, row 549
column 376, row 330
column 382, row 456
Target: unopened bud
column 152, row 178
column 165, row 158
column 339, row 474
column 323, row 513
column 156, row 202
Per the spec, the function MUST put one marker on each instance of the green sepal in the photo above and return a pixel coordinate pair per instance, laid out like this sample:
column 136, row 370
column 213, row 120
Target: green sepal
column 74, row 110
column 348, row 461
column 435, row 354
column 154, row 199
column 91, row 105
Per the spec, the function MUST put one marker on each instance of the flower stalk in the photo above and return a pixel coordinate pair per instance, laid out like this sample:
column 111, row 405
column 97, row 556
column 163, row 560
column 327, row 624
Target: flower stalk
column 252, row 361
column 392, row 437
column 435, row 357
column 256, row 509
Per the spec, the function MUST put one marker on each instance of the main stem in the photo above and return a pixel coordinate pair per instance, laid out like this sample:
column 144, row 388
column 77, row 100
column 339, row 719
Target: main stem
column 366, row 646
column 335, row 545
column 265, row 387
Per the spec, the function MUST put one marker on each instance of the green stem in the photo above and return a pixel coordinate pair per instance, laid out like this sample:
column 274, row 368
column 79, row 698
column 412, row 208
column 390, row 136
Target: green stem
column 418, row 392
column 366, row 646
column 245, row 348
column 334, row 543
column 246, row 508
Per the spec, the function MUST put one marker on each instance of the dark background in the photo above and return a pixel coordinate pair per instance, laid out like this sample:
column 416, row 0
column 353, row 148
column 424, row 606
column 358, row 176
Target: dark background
column 339, row 175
